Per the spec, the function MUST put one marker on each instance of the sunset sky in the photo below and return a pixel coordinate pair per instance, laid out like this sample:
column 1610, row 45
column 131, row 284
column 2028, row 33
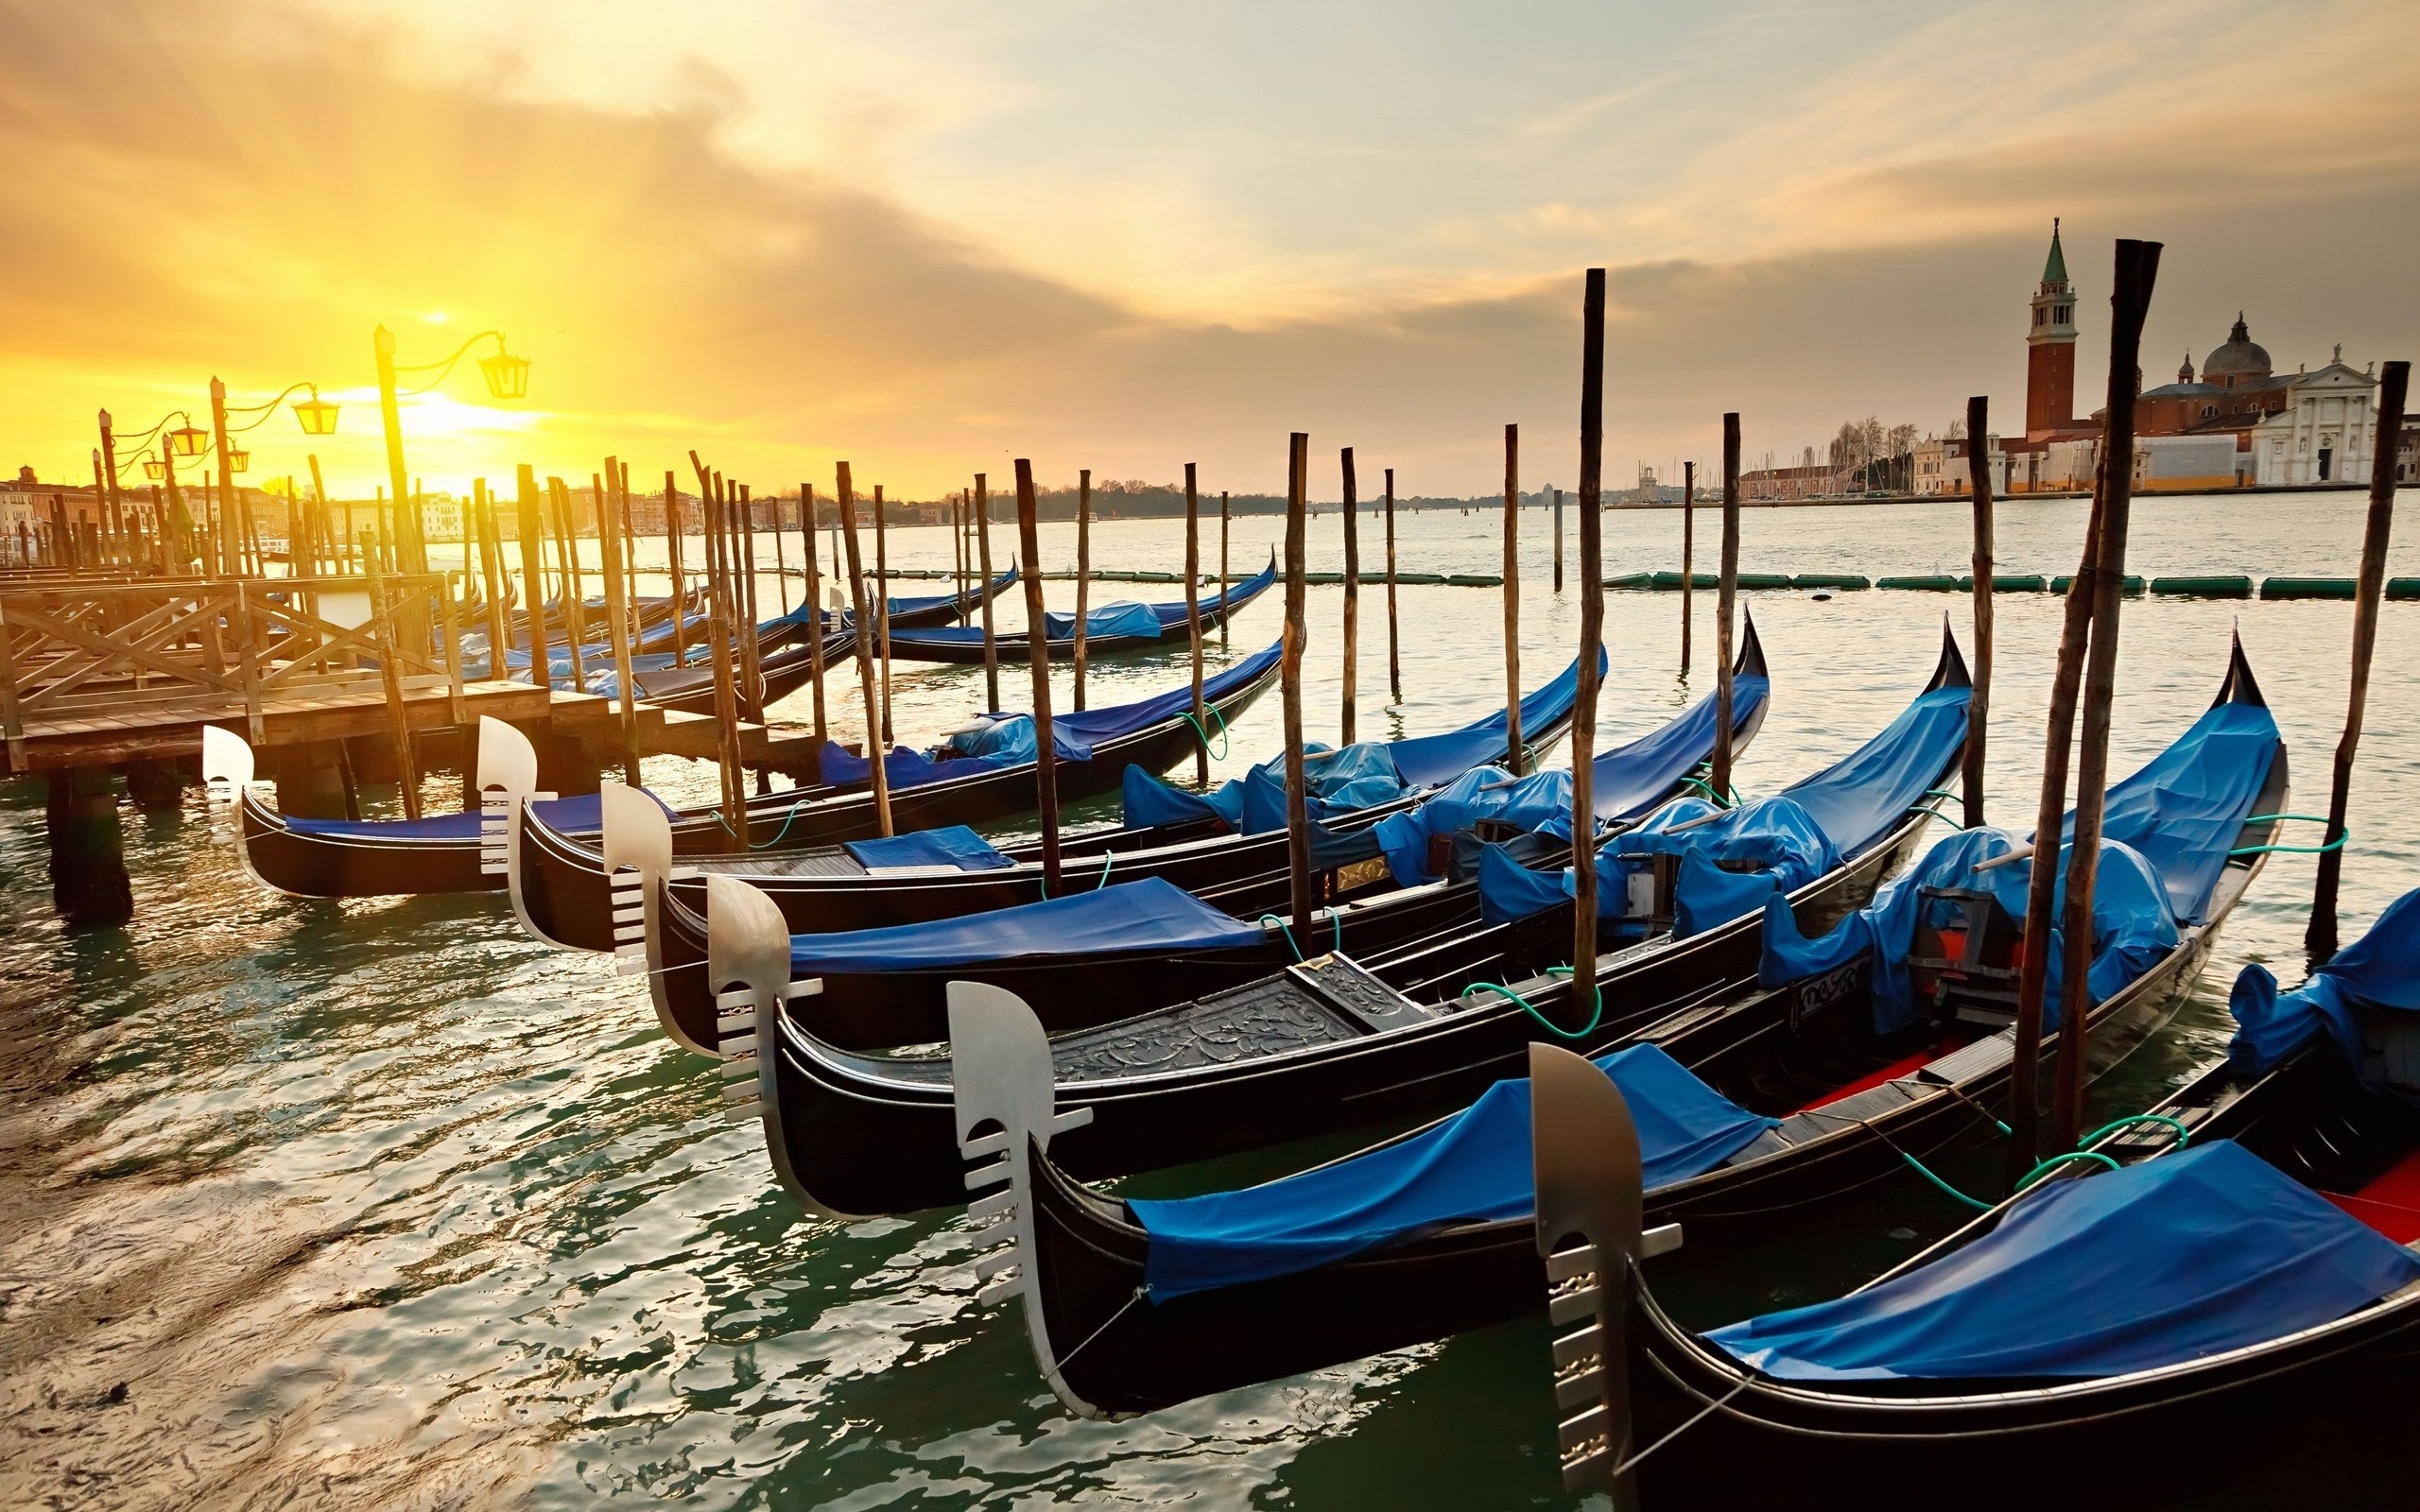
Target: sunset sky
column 930, row 238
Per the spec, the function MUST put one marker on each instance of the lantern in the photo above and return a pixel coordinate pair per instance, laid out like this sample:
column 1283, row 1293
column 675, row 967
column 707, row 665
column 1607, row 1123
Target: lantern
column 318, row 416
column 508, row 376
column 187, row 441
column 239, row 459
column 155, row 469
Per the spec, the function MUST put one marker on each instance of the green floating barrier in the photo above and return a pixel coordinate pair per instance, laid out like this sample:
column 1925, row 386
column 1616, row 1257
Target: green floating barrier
column 1321, row 578
column 1470, row 581
column 2307, row 587
column 2404, row 588
column 1764, row 579
column 2131, row 587
column 1928, row 583
column 1841, row 581
column 1422, row 579
column 1634, row 580
column 1672, row 580
column 2219, row 585
column 2007, row 583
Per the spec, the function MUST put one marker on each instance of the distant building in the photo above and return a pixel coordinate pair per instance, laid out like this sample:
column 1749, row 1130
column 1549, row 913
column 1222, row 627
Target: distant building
column 2325, row 431
column 1809, row 481
column 1941, row 465
column 2051, row 349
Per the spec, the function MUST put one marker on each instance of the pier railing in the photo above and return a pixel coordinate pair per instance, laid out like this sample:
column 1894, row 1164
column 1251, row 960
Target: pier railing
column 87, row 657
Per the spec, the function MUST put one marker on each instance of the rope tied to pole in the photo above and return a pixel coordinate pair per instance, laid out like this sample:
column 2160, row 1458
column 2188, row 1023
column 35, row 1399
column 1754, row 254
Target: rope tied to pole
column 1595, row 1017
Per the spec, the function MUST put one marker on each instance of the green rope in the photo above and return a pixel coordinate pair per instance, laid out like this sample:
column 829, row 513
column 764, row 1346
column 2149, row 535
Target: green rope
column 1712, row 796
column 752, row 845
column 1531, row 1008
column 2337, row 844
column 1225, row 744
column 1945, row 1187
column 2039, row 1171
column 2183, row 1134
column 1335, row 921
column 1106, row 862
column 2184, row 1137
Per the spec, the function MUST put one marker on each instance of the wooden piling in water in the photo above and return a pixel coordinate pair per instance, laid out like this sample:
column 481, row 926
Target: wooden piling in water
column 1979, row 702
column 1193, row 626
column 1688, row 553
column 494, row 571
column 1298, row 823
column 1558, row 541
column 1045, row 755
column 720, row 649
column 815, row 612
column 533, row 570
column 2033, row 964
column 1222, row 567
column 2394, row 384
column 1726, row 592
column 390, row 679
column 2137, row 270
column 1083, row 572
column 881, row 607
column 1591, row 636
column 879, row 775
column 672, row 530
column 568, row 553
column 1513, row 600
column 1395, row 656
column 991, row 638
column 617, row 595
column 1351, row 697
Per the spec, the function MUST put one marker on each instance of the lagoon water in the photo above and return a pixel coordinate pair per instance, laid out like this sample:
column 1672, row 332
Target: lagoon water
column 381, row 1204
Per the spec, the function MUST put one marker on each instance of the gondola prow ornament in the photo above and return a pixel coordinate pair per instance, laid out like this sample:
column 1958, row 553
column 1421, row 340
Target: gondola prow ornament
column 748, row 969
column 999, row 1065
column 1585, row 1154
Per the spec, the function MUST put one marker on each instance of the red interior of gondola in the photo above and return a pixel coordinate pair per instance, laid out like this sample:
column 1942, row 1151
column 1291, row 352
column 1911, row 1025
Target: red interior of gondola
column 2390, row 1204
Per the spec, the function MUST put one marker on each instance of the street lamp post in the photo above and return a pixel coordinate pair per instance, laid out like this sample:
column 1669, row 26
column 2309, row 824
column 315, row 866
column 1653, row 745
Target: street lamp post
column 506, row 376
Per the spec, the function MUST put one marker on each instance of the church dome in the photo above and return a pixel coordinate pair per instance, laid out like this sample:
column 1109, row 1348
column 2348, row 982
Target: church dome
column 2241, row 357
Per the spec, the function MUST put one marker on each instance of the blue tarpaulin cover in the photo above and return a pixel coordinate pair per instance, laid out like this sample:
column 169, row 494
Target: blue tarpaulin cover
column 1125, row 618
column 1360, row 776
column 1129, row 917
column 2172, row 1260
column 1472, row 1168
column 2379, row 972
column 1630, row 780
column 2170, row 826
column 1539, row 803
column 1792, row 839
column 580, row 815
column 2131, row 930
column 1072, row 735
column 1428, row 760
column 952, row 846
column 1237, row 596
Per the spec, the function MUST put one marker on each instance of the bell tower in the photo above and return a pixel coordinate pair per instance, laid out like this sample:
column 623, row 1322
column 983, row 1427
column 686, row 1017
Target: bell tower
column 2051, row 349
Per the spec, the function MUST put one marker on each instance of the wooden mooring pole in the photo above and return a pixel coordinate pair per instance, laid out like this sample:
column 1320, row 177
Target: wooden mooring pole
column 814, row 614
column 1726, row 590
column 1045, row 754
column 1298, row 822
column 617, row 602
column 1083, row 572
column 1193, row 625
column 1558, row 541
column 672, row 533
column 1223, row 588
column 1689, row 553
column 2394, row 383
column 1394, row 654
column 882, row 605
column 533, row 571
column 879, row 775
column 1351, row 695
column 983, row 550
column 1513, row 600
column 1979, row 702
column 2137, row 270
column 1591, row 636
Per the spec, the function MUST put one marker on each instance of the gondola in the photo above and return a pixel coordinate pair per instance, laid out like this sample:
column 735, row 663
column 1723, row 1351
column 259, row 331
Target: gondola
column 830, row 888
column 2230, row 1316
column 1330, row 1043
column 1114, row 951
column 335, row 858
column 1772, row 1105
column 1108, row 630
